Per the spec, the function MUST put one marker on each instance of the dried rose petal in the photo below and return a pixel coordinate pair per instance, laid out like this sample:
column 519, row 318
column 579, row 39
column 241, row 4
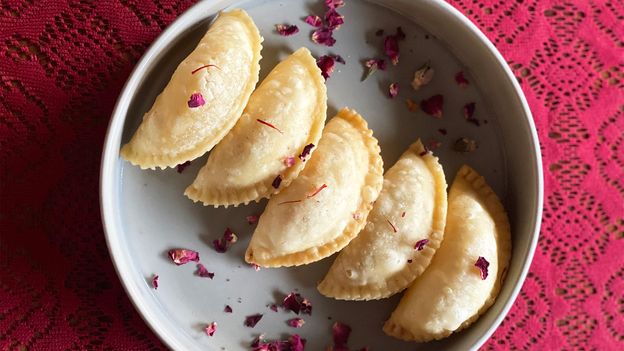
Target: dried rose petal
column 314, row 21
column 393, row 90
column 433, row 105
column 203, row 272
column 273, row 307
column 196, row 100
column 211, row 329
column 422, row 76
column 251, row 321
column 412, row 106
column 465, row 145
column 373, row 65
column 333, row 19
column 420, row 244
column 340, row 333
column 323, row 36
column 296, row 343
column 257, row 341
column 483, row 265
column 297, row 303
column 442, row 131
column 461, row 80
column 379, row 32
column 326, row 64
column 296, row 322
column 183, row 256
column 277, row 181
column 255, row 267
column 228, row 239
column 182, row 166
column 357, row 216
column 155, row 281
column 286, row 29
column 391, row 45
column 252, row 219
column 306, row 152
column 227, row 309
column 434, row 144
column 334, row 4
column 469, row 110
column 289, row 161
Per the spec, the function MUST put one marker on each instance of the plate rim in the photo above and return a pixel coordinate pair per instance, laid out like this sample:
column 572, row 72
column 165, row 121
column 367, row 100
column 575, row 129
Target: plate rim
column 110, row 157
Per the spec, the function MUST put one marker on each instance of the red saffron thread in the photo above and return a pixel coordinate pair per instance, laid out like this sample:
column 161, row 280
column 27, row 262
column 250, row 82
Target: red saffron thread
column 269, row 125
column 289, row 202
column 394, row 229
column 317, row 190
column 204, row 66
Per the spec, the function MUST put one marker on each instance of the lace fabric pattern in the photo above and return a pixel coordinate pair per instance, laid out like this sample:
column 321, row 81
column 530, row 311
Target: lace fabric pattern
column 63, row 64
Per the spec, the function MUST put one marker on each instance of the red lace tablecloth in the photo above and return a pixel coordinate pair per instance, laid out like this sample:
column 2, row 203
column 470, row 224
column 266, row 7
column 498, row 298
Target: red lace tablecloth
column 63, row 63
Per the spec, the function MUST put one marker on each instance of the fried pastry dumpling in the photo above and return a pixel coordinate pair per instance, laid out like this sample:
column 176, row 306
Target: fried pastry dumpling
column 404, row 229
column 466, row 272
column 326, row 206
column 204, row 98
column 259, row 156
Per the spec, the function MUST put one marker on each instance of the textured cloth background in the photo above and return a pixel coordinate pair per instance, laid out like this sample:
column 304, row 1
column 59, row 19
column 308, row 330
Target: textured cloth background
column 63, row 63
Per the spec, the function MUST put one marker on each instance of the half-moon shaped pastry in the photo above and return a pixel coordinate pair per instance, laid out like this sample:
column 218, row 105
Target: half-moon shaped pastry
column 466, row 272
column 204, row 98
column 284, row 114
column 326, row 206
column 404, row 230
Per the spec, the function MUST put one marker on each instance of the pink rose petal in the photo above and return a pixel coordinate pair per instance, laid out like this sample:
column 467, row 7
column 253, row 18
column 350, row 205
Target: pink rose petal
column 203, row 272
column 483, row 265
column 340, row 334
column 306, row 152
column 196, row 100
column 323, row 36
column 433, row 105
column 373, row 65
column 182, row 166
column 251, row 321
column 296, row 343
column 334, row 4
column 211, row 329
column 296, row 322
column 252, row 219
column 420, row 244
column 223, row 244
column 289, row 161
column 333, row 19
column 273, row 307
column 277, row 181
column 469, row 110
column 297, row 303
column 391, row 45
column 314, row 21
column 183, row 256
column 461, row 80
column 227, row 309
column 326, row 64
column 393, row 90
column 286, row 29
column 155, row 281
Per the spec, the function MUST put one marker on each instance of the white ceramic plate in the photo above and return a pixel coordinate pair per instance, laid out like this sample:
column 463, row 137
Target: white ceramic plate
column 145, row 212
